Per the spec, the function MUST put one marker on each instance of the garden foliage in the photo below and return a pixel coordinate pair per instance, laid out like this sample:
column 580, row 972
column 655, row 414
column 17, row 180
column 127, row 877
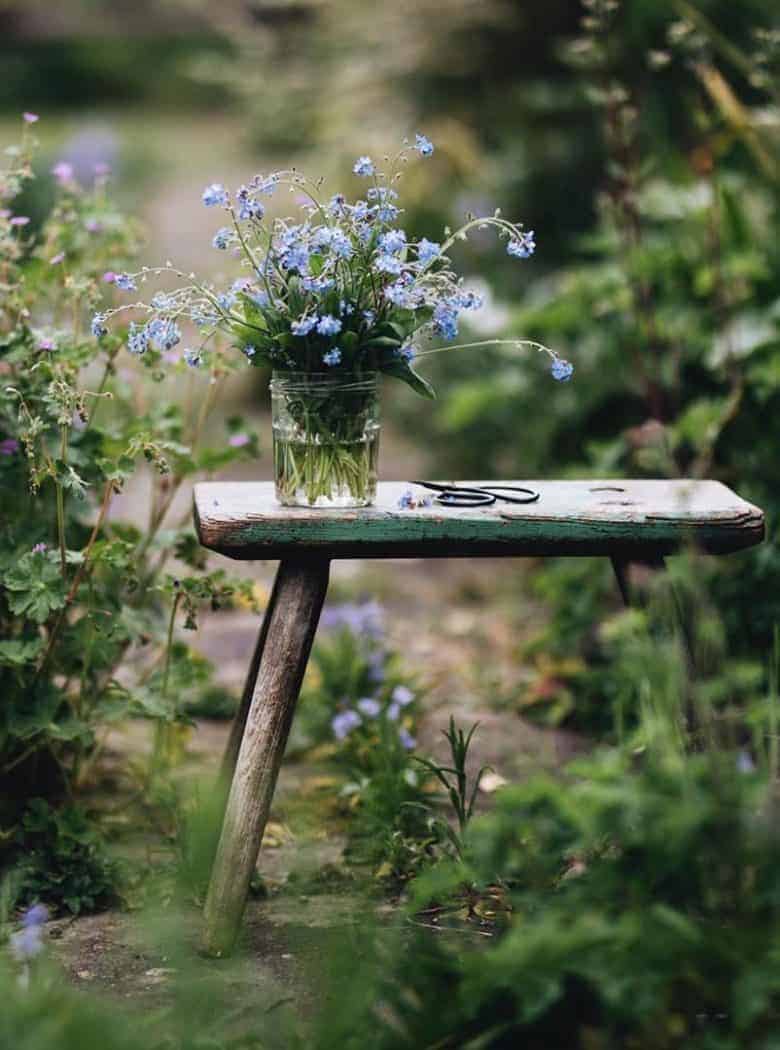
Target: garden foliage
column 87, row 611
column 640, row 907
column 667, row 305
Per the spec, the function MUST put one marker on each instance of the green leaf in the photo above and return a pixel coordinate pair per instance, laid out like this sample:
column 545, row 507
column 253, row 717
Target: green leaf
column 17, row 653
column 73, row 482
column 383, row 342
column 400, row 369
column 247, row 335
column 36, row 588
column 252, row 311
column 70, row 729
column 349, row 340
column 38, row 716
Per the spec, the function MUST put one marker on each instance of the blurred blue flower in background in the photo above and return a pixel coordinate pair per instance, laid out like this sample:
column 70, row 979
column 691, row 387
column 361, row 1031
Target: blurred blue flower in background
column 369, row 706
column 343, row 723
column 28, row 942
column 364, row 618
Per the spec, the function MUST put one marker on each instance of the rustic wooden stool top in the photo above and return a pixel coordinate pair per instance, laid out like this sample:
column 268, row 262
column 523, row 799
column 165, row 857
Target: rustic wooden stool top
column 627, row 521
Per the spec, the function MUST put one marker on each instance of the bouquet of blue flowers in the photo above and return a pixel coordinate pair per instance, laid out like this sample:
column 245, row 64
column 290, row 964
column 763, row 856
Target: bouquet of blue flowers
column 336, row 294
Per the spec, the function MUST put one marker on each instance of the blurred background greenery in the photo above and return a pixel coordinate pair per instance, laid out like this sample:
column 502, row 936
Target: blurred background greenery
column 639, row 139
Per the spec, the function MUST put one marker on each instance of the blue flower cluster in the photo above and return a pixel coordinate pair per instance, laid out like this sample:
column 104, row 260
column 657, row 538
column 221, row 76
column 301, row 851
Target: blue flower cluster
column 339, row 286
column 408, row 500
column 385, row 702
column 364, row 619
column 522, row 246
column 561, row 370
column 27, row 943
column 368, row 709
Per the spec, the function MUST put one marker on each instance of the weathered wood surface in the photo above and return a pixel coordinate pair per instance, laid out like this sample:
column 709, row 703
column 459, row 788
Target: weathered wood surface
column 289, row 632
column 233, row 746
column 627, row 519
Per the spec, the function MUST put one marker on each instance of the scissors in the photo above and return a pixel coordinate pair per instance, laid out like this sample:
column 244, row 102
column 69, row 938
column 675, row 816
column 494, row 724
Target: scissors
column 478, row 495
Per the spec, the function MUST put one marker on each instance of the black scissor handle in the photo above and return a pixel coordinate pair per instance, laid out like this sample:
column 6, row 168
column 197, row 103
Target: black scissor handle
column 529, row 495
column 455, row 495
column 458, row 497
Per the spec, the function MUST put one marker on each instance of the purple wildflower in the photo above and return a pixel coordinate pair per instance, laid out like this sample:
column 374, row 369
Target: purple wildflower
column 369, row 706
column 26, row 944
column 364, row 166
column 238, row 440
column 38, row 914
column 343, row 723
column 304, row 325
column 522, row 246
column 427, row 250
column 359, row 617
column 406, row 738
column 62, row 171
column 388, row 264
column 137, row 339
column 402, row 695
column 393, row 241
column 97, row 327
column 376, row 666
column 215, row 194
column 445, row 320
column 561, row 370
column 329, row 325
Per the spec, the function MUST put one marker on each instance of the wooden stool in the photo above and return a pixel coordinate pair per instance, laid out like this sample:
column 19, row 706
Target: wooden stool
column 627, row 521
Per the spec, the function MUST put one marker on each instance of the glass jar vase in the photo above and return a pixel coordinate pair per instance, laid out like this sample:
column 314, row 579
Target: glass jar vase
column 326, row 438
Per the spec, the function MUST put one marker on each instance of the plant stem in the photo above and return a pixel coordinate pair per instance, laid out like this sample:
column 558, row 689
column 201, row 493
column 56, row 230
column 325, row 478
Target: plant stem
column 169, row 645
column 80, row 570
column 161, row 735
column 540, row 347
column 61, row 502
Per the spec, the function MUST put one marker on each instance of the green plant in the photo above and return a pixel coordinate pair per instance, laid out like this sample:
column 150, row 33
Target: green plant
column 454, row 779
column 82, row 594
column 64, row 859
column 359, row 708
column 642, row 885
column 665, row 298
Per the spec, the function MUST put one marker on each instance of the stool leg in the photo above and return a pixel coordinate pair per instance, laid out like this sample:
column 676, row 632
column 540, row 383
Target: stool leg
column 622, row 569
column 230, row 756
column 299, row 593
